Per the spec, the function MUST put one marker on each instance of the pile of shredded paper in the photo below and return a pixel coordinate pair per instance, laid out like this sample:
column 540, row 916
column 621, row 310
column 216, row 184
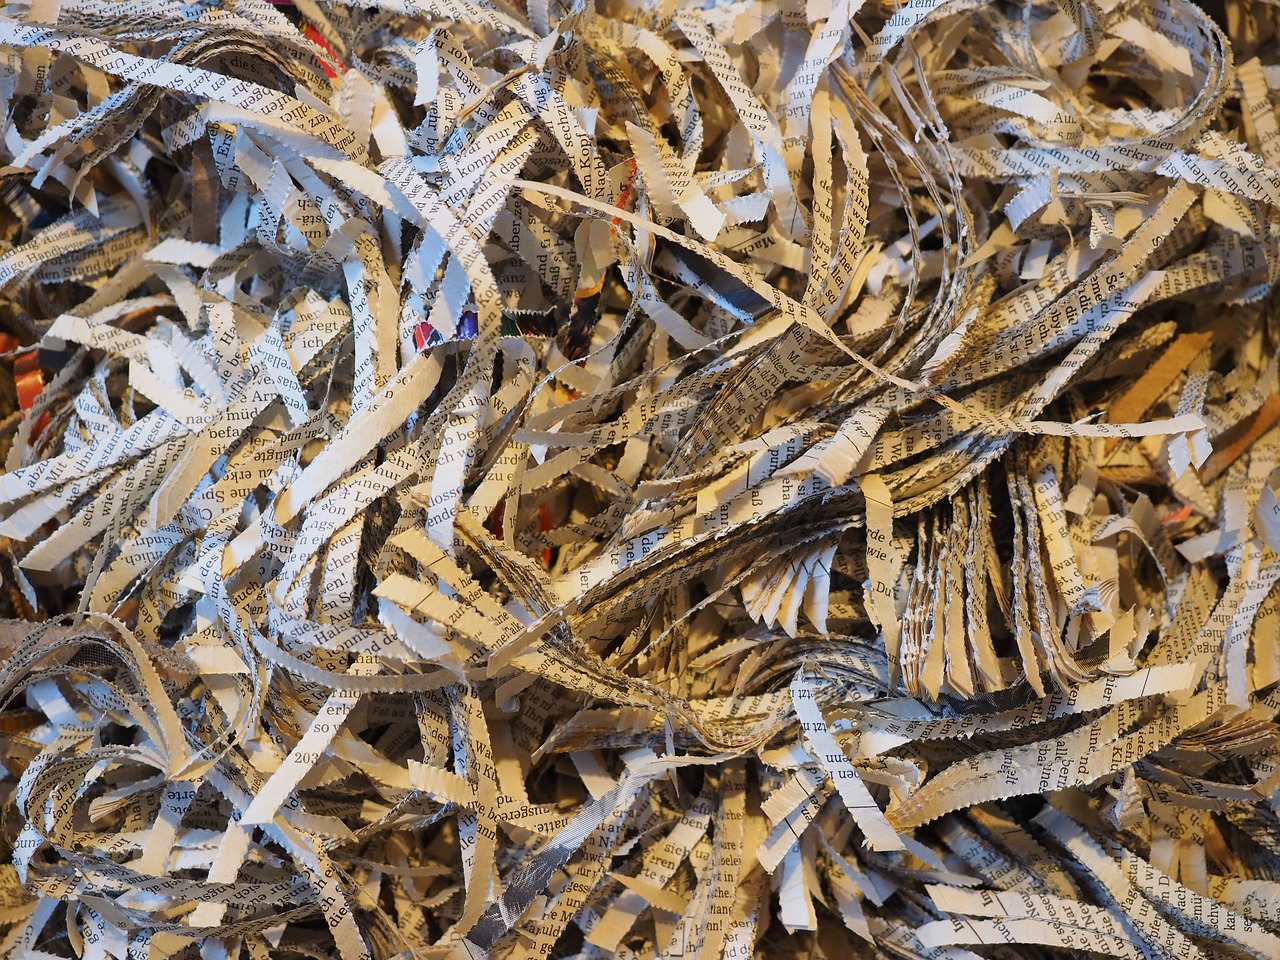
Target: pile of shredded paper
column 780, row 478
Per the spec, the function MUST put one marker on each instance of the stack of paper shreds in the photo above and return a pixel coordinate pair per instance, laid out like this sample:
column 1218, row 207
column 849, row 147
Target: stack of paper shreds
column 632, row 479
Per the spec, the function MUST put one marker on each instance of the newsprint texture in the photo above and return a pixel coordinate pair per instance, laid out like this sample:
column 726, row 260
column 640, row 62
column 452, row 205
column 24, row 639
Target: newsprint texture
column 639, row 479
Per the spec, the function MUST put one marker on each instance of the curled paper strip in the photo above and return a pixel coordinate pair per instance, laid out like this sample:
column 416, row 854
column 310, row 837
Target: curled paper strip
column 639, row 480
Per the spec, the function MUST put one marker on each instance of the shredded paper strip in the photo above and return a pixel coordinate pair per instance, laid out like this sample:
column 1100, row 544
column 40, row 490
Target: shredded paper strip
column 635, row 478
